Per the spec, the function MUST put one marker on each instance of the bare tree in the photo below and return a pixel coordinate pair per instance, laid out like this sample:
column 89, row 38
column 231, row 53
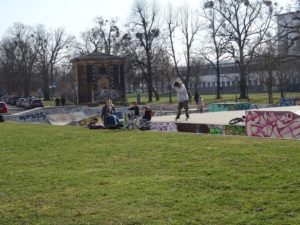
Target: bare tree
column 186, row 21
column 190, row 26
column 216, row 46
column 197, row 64
column 266, row 62
column 52, row 47
column 104, row 37
column 172, row 25
column 286, row 74
column 9, row 79
column 143, row 40
column 246, row 25
column 288, row 33
column 19, row 58
column 163, row 73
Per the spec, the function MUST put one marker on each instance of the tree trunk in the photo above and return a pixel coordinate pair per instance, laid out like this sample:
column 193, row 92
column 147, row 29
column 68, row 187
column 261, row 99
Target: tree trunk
column 170, row 93
column 270, row 69
column 26, row 84
column 218, row 83
column 243, row 83
column 150, row 94
column 46, row 89
column 270, row 92
column 281, row 93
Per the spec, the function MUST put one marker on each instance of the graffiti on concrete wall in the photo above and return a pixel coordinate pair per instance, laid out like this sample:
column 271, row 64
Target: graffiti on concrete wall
column 44, row 115
column 289, row 101
column 200, row 128
column 32, row 117
column 273, row 124
column 235, row 130
column 64, row 119
column 226, row 106
column 163, row 126
column 203, row 129
column 187, row 127
column 216, row 129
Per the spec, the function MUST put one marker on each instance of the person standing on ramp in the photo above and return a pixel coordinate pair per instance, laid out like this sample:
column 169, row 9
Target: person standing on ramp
column 183, row 99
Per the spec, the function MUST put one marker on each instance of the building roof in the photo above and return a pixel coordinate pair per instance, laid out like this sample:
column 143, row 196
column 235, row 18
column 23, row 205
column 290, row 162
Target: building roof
column 97, row 56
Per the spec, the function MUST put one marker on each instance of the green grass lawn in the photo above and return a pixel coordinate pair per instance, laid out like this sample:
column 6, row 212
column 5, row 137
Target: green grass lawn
column 67, row 175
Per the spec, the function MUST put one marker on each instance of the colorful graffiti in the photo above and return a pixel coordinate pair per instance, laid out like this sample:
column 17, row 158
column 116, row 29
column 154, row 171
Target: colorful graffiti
column 229, row 106
column 215, row 130
column 33, row 116
column 187, row 127
column 64, row 119
column 235, row 130
column 273, row 124
column 163, row 126
column 289, row 101
column 200, row 128
column 50, row 114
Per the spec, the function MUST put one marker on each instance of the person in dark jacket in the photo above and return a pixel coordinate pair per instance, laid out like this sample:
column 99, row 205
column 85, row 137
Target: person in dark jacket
column 109, row 119
column 145, row 121
column 147, row 113
column 135, row 108
column 108, row 109
column 63, row 101
column 94, row 124
column 196, row 98
column 57, row 101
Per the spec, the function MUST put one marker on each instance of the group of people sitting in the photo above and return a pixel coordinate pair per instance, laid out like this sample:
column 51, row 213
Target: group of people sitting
column 111, row 120
column 134, row 118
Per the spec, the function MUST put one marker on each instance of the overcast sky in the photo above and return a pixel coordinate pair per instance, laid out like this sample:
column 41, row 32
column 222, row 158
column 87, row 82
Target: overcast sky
column 75, row 15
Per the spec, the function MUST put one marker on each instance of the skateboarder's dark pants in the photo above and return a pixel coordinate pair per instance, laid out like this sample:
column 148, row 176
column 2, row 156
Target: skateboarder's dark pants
column 184, row 105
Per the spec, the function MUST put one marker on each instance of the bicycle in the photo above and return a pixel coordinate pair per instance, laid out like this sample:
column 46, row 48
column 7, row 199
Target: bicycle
column 237, row 120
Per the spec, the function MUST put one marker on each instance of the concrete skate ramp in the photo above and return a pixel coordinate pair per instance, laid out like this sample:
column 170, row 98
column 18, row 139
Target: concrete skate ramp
column 218, row 118
column 65, row 119
column 279, row 122
column 211, row 122
column 55, row 115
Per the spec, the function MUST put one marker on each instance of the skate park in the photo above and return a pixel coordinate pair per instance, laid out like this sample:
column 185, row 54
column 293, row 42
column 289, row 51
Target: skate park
column 270, row 122
column 276, row 122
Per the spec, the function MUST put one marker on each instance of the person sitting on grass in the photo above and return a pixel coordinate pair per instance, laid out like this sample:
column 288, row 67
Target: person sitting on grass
column 110, row 120
column 147, row 113
column 94, row 124
column 135, row 108
column 133, row 115
column 145, row 121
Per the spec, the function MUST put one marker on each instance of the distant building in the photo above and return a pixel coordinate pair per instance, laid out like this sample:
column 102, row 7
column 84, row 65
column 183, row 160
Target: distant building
column 288, row 28
column 205, row 79
column 98, row 77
